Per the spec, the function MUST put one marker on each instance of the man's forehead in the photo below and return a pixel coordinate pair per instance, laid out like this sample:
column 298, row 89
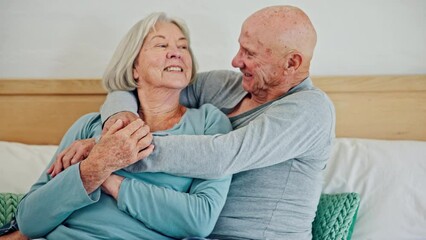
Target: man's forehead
column 255, row 32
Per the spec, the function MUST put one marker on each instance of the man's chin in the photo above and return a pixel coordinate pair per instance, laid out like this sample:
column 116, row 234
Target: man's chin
column 248, row 84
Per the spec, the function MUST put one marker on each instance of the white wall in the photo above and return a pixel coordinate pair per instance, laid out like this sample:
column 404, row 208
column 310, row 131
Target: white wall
column 68, row 39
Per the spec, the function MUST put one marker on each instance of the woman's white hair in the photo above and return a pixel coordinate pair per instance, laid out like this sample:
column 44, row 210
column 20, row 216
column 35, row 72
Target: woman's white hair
column 119, row 72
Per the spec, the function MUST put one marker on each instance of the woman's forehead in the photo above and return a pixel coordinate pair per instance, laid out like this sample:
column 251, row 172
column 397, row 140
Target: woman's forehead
column 165, row 28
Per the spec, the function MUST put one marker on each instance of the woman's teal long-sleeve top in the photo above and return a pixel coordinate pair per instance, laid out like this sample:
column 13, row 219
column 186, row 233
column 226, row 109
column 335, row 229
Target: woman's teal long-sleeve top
column 149, row 206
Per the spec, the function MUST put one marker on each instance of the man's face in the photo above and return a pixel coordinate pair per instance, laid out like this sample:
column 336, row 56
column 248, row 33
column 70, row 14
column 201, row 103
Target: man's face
column 258, row 59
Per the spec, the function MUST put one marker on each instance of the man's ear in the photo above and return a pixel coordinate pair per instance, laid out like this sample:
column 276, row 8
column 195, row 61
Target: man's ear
column 293, row 62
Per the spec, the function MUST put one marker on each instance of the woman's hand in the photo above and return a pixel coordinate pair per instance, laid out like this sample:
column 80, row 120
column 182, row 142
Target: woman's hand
column 76, row 152
column 125, row 117
column 118, row 148
column 112, row 184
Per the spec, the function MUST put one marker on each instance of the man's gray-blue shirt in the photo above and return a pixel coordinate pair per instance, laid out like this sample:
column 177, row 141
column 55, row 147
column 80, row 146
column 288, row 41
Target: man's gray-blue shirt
column 277, row 153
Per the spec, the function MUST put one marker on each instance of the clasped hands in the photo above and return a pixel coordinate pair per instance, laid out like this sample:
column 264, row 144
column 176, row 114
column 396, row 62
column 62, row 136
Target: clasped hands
column 125, row 140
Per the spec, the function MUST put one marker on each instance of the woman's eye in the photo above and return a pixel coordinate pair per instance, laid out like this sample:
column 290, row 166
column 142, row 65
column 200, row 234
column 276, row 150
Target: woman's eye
column 183, row 47
column 162, row 45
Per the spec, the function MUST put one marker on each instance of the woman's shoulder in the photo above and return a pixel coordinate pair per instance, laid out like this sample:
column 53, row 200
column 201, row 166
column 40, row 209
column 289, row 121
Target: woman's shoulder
column 205, row 112
column 209, row 109
column 212, row 117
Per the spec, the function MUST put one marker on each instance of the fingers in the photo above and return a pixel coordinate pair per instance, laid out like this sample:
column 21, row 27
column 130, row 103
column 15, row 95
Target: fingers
column 142, row 132
column 79, row 155
column 69, row 155
column 126, row 117
column 146, row 152
column 130, row 129
column 57, row 166
column 73, row 154
column 144, row 141
column 50, row 169
column 106, row 127
column 115, row 127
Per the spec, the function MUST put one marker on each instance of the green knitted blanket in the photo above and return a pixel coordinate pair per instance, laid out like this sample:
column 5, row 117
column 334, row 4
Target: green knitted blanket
column 336, row 215
column 8, row 204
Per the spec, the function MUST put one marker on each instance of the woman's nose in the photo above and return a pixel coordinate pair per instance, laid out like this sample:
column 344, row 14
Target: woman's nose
column 174, row 52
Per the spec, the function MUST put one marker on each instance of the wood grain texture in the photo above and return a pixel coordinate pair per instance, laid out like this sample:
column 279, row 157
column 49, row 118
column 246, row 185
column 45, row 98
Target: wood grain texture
column 40, row 111
column 37, row 111
column 378, row 107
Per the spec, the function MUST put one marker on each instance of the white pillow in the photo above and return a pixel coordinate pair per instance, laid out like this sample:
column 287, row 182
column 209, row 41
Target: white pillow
column 390, row 178
column 22, row 164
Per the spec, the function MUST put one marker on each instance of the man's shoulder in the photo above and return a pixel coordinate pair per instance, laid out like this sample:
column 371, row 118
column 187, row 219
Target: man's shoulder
column 310, row 104
column 311, row 96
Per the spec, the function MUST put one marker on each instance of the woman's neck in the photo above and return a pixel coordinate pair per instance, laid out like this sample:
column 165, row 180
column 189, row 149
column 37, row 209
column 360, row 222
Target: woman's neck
column 160, row 109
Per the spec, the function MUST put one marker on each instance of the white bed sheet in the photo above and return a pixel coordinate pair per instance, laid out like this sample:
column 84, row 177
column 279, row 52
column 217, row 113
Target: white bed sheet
column 389, row 175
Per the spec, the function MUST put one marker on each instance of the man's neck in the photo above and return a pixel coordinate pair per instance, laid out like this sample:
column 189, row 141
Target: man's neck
column 251, row 101
column 245, row 105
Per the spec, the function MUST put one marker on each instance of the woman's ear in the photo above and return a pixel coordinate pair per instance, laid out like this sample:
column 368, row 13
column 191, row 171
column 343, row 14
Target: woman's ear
column 135, row 73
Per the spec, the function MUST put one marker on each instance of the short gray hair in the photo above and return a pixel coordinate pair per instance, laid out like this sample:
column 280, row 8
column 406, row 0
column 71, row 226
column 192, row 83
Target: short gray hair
column 119, row 72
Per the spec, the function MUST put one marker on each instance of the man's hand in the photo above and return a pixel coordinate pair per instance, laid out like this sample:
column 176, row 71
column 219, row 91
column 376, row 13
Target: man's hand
column 126, row 117
column 118, row 148
column 73, row 154
column 123, row 145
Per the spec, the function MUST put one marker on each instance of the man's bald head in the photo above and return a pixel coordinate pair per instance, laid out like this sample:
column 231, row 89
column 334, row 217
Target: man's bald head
column 285, row 27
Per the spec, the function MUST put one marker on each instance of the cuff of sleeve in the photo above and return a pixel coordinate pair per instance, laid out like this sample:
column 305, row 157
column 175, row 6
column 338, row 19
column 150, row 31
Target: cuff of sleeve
column 121, row 201
column 77, row 187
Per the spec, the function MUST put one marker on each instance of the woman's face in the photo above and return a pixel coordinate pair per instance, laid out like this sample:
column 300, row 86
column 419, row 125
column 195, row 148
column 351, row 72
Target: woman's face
column 164, row 60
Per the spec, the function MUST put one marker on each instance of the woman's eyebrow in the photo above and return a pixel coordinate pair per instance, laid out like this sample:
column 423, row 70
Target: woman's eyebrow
column 163, row 37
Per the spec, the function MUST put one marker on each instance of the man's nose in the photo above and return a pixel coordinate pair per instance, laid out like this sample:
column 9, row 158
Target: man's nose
column 237, row 61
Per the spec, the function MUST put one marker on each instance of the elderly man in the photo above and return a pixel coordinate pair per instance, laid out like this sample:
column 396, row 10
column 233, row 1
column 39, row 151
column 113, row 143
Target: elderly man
column 283, row 130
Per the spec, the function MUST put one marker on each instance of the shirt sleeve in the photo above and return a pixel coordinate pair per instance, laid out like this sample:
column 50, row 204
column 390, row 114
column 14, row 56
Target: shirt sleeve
column 297, row 126
column 118, row 101
column 187, row 214
column 50, row 201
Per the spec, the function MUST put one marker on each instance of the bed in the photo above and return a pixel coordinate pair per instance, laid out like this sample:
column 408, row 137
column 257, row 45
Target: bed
column 379, row 153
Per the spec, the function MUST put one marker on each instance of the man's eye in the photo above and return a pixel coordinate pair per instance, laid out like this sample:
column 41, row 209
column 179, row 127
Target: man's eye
column 248, row 53
column 183, row 47
column 161, row 45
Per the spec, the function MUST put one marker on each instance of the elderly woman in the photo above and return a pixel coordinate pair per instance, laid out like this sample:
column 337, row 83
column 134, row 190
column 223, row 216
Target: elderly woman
column 97, row 197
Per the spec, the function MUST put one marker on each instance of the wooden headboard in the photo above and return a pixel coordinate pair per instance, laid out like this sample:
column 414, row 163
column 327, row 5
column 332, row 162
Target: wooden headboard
column 37, row 111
